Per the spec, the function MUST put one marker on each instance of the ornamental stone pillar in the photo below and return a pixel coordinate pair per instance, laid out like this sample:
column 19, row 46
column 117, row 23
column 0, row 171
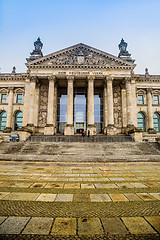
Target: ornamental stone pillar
column 111, row 130
column 32, row 101
column 50, row 127
column 9, row 123
column 69, row 128
column 130, row 113
column 134, row 102
column 90, row 106
column 124, row 110
column 150, row 111
column 105, row 111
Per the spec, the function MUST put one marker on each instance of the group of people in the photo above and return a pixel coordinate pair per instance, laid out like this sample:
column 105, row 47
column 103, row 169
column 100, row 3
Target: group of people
column 84, row 133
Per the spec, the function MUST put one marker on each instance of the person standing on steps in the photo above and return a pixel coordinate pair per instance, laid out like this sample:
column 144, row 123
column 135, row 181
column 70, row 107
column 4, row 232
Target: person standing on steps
column 88, row 133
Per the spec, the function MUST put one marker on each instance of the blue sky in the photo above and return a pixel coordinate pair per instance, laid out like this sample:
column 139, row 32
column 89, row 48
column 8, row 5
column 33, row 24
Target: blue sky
column 63, row 23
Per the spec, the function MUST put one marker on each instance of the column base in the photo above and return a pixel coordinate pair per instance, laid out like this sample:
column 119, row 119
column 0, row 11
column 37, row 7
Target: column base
column 92, row 129
column 105, row 131
column 130, row 128
column 111, row 130
column 30, row 127
column 69, row 130
column 7, row 130
column 49, row 129
column 151, row 131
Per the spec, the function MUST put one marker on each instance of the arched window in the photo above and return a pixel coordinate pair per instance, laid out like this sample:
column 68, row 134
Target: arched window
column 3, row 120
column 156, row 121
column 18, row 120
column 141, row 121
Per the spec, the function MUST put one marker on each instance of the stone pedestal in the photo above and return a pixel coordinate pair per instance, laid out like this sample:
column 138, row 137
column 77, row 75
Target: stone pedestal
column 137, row 136
column 111, row 130
column 49, row 129
column 151, row 131
column 69, row 130
column 92, row 129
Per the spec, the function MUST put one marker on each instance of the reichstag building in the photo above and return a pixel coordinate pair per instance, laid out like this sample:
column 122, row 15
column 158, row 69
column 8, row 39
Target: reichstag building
column 77, row 89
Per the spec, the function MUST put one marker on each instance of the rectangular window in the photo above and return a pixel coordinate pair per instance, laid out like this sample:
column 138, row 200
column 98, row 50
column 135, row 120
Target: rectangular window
column 19, row 98
column 156, row 99
column 3, row 98
column 140, row 99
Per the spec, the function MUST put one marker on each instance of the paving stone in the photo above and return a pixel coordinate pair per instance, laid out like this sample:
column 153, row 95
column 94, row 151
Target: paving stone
column 100, row 198
column 72, row 185
column 75, row 179
column 64, row 226
column 22, row 185
column 114, row 226
column 3, row 194
column 107, row 185
column 81, row 197
column 87, row 185
column 62, row 179
column 117, row 179
column 6, row 184
column 89, row 179
column 46, row 197
column 151, row 184
column 132, row 197
column 155, row 195
column 64, row 198
column 38, row 185
column 118, row 197
column 138, row 185
column 89, row 226
column 54, row 185
column 154, row 221
column 137, row 225
column 146, row 196
column 2, row 218
column 13, row 225
column 38, row 225
column 21, row 196
column 72, row 175
column 124, row 185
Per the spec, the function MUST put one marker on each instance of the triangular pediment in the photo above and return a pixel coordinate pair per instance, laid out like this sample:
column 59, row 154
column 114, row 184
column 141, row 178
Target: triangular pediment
column 81, row 55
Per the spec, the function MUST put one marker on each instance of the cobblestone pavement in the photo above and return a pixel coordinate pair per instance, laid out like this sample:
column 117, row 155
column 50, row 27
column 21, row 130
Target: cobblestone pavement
column 79, row 200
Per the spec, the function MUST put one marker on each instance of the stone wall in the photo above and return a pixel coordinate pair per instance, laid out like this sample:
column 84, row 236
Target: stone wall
column 43, row 101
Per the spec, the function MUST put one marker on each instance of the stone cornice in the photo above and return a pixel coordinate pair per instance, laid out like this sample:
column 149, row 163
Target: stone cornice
column 15, row 77
column 78, row 67
column 144, row 78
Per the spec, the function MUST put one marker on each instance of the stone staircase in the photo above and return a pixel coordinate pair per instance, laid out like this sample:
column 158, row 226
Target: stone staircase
column 79, row 138
column 80, row 151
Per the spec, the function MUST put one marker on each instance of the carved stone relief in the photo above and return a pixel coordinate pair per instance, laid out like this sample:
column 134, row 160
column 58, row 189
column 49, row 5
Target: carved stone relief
column 117, row 106
column 43, row 101
column 82, row 56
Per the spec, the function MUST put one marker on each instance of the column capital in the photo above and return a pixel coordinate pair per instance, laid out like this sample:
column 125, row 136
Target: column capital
column 128, row 79
column 149, row 90
column 52, row 78
column 70, row 77
column 90, row 77
column 10, row 89
column 33, row 79
column 109, row 78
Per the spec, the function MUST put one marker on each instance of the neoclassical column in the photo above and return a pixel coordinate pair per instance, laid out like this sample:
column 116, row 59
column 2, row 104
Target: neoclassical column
column 26, row 102
column 55, row 108
column 90, row 106
column 124, row 110
column 134, row 101
column 49, row 129
column 32, row 101
column 150, row 112
column 130, row 113
column 10, row 109
column 110, row 100
column 105, row 111
column 69, row 129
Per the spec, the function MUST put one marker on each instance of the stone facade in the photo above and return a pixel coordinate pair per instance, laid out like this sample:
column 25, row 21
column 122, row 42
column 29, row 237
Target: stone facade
column 123, row 101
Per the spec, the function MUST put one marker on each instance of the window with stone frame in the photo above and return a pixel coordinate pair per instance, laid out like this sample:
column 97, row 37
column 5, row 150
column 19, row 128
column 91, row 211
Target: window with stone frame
column 140, row 99
column 19, row 98
column 156, row 99
column 3, row 98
